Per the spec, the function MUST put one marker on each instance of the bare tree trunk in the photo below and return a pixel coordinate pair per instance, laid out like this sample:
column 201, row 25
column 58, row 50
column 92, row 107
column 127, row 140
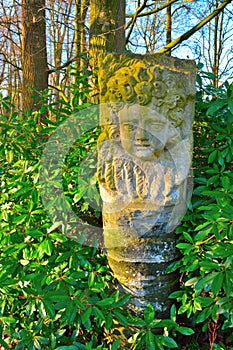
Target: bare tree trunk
column 107, row 33
column 169, row 26
column 218, row 44
column 107, row 22
column 34, row 53
column 81, row 8
column 80, row 42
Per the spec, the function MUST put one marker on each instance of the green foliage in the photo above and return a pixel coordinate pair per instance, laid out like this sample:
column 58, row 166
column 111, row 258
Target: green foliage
column 206, row 234
column 148, row 336
column 55, row 292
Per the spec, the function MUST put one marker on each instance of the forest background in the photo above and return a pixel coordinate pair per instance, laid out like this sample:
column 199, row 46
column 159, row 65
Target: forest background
column 55, row 291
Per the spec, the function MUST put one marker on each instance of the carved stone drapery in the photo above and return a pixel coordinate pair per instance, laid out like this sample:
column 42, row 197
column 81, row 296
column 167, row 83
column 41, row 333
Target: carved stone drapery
column 145, row 152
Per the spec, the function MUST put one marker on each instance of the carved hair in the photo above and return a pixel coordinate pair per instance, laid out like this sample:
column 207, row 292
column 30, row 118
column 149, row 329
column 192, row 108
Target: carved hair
column 144, row 82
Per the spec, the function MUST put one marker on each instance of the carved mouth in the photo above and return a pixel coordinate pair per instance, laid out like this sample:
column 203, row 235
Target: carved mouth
column 142, row 145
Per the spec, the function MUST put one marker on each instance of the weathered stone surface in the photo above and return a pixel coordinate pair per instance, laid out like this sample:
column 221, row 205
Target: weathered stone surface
column 145, row 152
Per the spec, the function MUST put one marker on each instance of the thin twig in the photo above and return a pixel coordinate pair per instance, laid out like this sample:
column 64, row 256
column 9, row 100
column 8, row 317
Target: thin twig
column 198, row 26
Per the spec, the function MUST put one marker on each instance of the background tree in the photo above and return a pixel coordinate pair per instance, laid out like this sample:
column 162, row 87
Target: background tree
column 10, row 51
column 107, row 20
column 80, row 41
column 34, row 52
column 215, row 43
column 196, row 17
column 169, row 25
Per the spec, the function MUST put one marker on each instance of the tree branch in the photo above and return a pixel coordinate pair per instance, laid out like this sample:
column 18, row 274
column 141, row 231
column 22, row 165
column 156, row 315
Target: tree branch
column 9, row 62
column 133, row 20
column 151, row 12
column 66, row 64
column 190, row 32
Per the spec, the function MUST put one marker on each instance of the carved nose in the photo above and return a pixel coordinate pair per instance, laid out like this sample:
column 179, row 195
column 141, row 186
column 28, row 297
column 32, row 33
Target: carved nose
column 141, row 135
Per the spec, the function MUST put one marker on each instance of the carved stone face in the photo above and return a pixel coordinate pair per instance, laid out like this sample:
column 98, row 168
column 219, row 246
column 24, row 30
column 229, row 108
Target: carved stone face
column 143, row 131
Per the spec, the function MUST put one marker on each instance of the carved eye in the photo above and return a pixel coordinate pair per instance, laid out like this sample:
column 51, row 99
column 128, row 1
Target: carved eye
column 129, row 127
column 156, row 126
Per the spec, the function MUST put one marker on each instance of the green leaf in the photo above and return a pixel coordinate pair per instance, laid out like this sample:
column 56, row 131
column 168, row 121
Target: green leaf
column 105, row 302
column 217, row 283
column 9, row 156
column 173, row 313
column 188, row 237
column 57, row 296
column 86, row 315
column 205, row 301
column 230, row 104
column 149, row 313
column 7, row 319
column 176, row 294
column 158, row 343
column 200, row 227
column 215, row 313
column 226, row 182
column 49, row 307
column 54, row 226
column 192, row 281
column 98, row 313
column 203, row 315
column 185, row 330
column 157, row 323
column 136, row 321
column 46, row 247
column 169, row 342
column 202, row 235
column 185, row 247
column 212, row 156
column 37, row 344
column 204, row 282
column 185, row 308
column 216, row 105
column 174, row 266
column 199, row 80
column 108, row 321
column 71, row 312
column 150, row 341
column 122, row 301
column 91, row 279
column 228, row 282
column 115, row 345
column 196, row 306
column 121, row 318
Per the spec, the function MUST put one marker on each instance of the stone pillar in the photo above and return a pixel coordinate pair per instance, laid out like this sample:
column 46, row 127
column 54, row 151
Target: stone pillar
column 145, row 152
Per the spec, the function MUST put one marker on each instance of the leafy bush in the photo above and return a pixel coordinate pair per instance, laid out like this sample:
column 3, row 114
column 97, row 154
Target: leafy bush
column 206, row 235
column 55, row 291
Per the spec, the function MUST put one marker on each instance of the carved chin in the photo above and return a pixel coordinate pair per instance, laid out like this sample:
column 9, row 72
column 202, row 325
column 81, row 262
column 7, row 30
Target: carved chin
column 146, row 153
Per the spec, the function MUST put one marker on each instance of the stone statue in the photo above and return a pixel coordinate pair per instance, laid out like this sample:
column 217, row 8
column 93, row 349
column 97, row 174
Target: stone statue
column 145, row 152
